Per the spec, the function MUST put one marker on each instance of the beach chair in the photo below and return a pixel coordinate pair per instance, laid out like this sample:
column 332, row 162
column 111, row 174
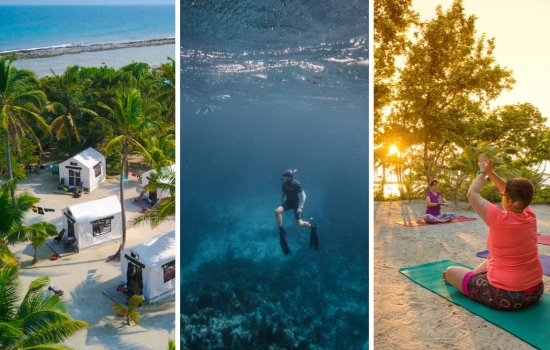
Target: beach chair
column 140, row 197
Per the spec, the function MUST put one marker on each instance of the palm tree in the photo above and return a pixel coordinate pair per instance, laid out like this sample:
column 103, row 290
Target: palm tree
column 133, row 119
column 163, row 179
column 41, row 320
column 20, row 103
column 12, row 215
column 131, row 310
column 166, row 83
column 70, row 96
column 162, row 149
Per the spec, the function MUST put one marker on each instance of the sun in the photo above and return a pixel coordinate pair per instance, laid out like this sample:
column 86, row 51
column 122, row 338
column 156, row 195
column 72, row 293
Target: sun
column 393, row 150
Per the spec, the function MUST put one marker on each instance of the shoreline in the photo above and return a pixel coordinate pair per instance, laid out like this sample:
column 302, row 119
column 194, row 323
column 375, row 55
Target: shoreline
column 53, row 51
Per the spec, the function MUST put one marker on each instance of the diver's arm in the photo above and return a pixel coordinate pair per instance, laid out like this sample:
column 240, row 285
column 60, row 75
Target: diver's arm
column 302, row 198
column 283, row 199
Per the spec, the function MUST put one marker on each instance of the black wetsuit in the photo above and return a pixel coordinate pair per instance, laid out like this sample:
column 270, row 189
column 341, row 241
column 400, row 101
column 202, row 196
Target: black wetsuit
column 291, row 191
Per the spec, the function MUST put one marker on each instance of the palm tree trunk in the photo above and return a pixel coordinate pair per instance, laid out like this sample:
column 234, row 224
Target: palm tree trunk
column 8, row 154
column 116, row 256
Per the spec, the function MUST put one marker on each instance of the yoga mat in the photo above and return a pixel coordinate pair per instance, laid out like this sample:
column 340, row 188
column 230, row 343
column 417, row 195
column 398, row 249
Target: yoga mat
column 544, row 259
column 415, row 223
column 543, row 239
column 529, row 324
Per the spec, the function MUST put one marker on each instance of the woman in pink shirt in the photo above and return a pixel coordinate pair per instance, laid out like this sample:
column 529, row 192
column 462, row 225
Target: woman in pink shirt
column 511, row 277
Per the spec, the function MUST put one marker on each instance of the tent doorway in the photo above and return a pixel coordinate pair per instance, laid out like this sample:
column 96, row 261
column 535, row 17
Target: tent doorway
column 134, row 277
column 74, row 178
column 153, row 196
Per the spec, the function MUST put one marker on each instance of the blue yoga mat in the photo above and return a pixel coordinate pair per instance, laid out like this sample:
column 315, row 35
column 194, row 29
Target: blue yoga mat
column 531, row 324
column 544, row 259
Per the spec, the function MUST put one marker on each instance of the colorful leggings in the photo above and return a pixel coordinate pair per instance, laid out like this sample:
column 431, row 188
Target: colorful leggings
column 479, row 289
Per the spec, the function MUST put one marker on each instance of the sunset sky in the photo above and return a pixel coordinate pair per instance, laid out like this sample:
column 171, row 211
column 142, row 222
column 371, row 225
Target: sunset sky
column 520, row 31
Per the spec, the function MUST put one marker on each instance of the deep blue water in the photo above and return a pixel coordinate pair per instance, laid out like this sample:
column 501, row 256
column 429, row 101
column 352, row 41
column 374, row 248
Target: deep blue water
column 267, row 86
column 26, row 27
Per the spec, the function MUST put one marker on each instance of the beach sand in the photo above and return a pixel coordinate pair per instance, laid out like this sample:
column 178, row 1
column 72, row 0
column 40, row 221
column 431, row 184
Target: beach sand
column 84, row 276
column 154, row 55
column 407, row 316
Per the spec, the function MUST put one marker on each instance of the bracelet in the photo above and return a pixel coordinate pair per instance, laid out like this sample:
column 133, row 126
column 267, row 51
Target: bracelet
column 481, row 172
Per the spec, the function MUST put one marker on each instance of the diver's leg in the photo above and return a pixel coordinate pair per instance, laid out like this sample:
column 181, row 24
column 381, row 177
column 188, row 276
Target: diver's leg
column 299, row 221
column 279, row 216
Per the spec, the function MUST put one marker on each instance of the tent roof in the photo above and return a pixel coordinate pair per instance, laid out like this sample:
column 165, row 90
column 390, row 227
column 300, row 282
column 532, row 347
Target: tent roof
column 89, row 157
column 95, row 209
column 158, row 251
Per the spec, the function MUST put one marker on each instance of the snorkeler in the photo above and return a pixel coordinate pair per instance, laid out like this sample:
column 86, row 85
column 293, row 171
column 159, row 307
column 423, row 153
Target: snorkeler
column 293, row 197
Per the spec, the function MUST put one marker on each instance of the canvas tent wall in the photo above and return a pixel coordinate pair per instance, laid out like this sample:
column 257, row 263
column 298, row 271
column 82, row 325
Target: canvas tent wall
column 86, row 169
column 94, row 223
column 145, row 181
column 153, row 264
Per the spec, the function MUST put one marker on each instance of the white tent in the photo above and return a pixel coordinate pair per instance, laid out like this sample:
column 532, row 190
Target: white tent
column 156, row 195
column 94, row 223
column 86, row 169
column 153, row 265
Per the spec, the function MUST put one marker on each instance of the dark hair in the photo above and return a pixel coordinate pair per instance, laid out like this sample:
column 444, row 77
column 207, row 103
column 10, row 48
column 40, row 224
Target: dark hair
column 433, row 182
column 521, row 191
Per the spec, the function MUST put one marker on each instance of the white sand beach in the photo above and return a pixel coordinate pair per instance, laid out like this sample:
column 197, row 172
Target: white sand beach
column 407, row 316
column 84, row 276
column 116, row 58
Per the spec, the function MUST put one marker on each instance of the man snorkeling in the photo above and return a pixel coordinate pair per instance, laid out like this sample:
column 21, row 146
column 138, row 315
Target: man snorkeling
column 293, row 197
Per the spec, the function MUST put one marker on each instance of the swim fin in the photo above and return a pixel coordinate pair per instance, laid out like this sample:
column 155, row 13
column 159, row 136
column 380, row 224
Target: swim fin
column 313, row 239
column 282, row 239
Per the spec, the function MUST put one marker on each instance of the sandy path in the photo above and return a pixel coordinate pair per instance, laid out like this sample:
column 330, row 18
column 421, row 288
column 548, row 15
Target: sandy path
column 407, row 316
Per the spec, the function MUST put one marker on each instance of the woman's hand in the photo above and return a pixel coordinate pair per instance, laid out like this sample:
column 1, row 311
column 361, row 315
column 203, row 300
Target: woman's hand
column 484, row 163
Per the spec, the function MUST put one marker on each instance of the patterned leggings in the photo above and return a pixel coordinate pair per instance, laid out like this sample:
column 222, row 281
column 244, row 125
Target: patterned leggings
column 479, row 289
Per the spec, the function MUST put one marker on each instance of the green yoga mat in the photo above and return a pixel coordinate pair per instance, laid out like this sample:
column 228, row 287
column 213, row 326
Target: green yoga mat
column 530, row 324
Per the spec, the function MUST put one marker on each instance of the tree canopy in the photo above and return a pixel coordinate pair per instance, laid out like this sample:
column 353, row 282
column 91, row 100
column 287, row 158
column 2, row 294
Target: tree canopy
column 435, row 98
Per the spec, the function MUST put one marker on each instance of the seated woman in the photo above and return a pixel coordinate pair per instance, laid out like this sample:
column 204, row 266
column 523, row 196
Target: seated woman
column 511, row 277
column 434, row 201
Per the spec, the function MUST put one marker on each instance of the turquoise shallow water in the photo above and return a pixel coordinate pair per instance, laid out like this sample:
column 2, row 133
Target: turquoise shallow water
column 27, row 27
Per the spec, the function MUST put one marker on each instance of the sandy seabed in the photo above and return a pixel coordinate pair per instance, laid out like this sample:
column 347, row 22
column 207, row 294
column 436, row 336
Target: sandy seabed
column 407, row 316
column 84, row 276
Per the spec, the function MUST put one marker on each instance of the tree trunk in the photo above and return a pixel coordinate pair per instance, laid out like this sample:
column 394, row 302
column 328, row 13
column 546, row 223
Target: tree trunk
column 116, row 256
column 8, row 154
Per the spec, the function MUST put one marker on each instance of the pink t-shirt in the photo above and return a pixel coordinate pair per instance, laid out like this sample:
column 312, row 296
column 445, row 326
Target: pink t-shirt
column 513, row 262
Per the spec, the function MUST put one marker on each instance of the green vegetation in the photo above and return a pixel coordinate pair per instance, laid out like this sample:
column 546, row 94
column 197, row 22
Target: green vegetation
column 130, row 311
column 434, row 81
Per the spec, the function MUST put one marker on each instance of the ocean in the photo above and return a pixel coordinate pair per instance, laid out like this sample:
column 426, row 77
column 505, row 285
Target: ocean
column 28, row 27
column 268, row 86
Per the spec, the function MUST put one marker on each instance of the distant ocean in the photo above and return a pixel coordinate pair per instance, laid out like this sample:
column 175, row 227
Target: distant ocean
column 27, row 27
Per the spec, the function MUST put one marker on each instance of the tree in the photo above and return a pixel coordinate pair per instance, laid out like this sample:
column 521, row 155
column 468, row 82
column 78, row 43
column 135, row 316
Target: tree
column 163, row 179
column 40, row 321
column 448, row 79
column 166, row 83
column 20, row 102
column 71, row 97
column 133, row 120
column 131, row 310
column 12, row 213
column 392, row 20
